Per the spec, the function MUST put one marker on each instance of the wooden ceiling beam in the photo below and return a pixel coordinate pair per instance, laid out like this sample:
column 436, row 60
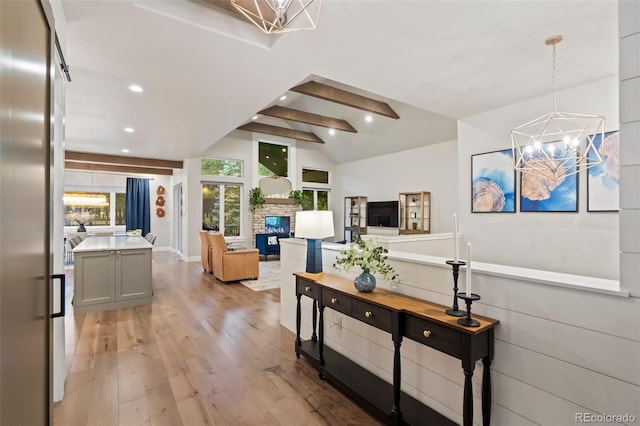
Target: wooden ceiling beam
column 95, row 167
column 121, row 159
column 308, row 118
column 281, row 131
column 332, row 94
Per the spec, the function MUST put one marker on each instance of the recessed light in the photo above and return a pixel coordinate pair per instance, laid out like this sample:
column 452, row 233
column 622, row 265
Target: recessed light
column 332, row 132
column 283, row 97
column 284, row 149
column 125, row 150
column 136, row 88
column 129, row 129
column 368, row 118
column 267, row 156
column 255, row 117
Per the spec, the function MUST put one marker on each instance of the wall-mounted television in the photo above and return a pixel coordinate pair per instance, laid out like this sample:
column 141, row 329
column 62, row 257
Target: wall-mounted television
column 277, row 224
column 382, row 213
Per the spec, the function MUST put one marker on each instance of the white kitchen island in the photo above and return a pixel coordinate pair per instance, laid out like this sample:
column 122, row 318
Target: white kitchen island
column 112, row 273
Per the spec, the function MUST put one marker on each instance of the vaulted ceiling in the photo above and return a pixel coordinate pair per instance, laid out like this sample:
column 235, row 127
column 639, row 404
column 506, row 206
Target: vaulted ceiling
column 206, row 73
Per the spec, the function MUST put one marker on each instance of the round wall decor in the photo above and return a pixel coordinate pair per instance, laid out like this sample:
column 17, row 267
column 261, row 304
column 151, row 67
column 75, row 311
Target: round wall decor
column 160, row 201
column 160, row 212
column 160, row 190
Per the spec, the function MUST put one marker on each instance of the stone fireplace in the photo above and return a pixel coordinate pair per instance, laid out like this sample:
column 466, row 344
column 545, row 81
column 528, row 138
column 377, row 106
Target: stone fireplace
column 273, row 207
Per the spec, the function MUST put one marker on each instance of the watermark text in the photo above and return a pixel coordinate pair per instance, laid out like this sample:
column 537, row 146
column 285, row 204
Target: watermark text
column 604, row 418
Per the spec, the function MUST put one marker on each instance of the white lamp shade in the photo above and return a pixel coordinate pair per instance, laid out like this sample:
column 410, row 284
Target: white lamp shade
column 314, row 224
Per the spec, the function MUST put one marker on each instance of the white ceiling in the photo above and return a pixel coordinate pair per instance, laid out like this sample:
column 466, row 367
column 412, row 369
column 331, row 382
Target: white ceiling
column 205, row 74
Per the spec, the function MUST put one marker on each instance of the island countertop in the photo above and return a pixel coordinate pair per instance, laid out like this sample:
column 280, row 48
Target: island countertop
column 112, row 243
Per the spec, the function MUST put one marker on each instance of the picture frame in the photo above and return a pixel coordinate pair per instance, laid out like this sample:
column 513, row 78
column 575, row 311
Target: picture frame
column 603, row 180
column 493, row 182
column 540, row 195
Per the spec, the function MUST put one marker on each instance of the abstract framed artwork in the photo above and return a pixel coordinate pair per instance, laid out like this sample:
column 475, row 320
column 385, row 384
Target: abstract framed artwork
column 538, row 194
column 603, row 180
column 493, row 182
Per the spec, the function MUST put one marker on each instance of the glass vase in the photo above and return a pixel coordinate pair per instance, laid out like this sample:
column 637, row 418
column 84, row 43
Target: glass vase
column 365, row 282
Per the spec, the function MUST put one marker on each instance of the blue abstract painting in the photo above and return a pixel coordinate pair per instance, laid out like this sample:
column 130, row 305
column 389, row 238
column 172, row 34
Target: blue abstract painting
column 603, row 180
column 493, row 182
column 538, row 194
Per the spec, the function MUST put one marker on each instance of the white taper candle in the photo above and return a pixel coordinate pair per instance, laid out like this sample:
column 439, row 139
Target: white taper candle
column 468, row 288
column 455, row 238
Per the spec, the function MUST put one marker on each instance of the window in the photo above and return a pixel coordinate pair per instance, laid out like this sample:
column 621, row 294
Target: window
column 94, row 208
column 315, row 176
column 89, row 208
column 121, row 202
column 218, row 167
column 273, row 159
column 221, row 207
column 315, row 199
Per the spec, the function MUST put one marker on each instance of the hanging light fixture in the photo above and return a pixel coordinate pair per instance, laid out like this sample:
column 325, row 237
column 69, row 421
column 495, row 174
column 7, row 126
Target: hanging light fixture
column 280, row 16
column 84, row 199
column 557, row 144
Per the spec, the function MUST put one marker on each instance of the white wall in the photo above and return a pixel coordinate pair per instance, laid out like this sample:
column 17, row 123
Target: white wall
column 629, row 20
column 59, row 372
column 76, row 180
column 577, row 243
column 431, row 168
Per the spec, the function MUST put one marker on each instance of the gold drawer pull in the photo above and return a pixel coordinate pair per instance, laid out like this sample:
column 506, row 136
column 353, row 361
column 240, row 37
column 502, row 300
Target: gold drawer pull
column 368, row 314
column 334, row 300
column 307, row 288
column 426, row 333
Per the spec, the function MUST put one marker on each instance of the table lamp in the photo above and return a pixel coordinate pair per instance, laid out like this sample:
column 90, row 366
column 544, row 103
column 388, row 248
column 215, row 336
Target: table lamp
column 314, row 225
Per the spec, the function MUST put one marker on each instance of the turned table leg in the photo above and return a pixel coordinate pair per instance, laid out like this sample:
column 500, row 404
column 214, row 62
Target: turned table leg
column 298, row 319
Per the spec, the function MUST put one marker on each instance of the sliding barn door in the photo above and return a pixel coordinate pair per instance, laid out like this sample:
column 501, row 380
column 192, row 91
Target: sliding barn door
column 25, row 41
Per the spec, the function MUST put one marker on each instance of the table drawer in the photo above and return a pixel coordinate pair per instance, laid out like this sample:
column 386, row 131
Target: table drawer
column 371, row 314
column 337, row 301
column 442, row 338
column 308, row 288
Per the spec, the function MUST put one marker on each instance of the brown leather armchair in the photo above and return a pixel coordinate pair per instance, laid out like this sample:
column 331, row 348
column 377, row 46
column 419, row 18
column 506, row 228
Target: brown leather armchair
column 205, row 252
column 232, row 265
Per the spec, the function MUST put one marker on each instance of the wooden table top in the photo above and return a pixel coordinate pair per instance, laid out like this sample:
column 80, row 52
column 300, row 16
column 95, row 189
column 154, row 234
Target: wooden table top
column 400, row 302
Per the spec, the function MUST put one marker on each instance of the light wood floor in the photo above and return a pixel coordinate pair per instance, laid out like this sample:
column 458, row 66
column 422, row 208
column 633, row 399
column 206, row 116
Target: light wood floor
column 204, row 353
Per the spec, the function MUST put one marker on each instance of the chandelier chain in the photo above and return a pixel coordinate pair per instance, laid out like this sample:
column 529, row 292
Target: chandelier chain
column 554, row 77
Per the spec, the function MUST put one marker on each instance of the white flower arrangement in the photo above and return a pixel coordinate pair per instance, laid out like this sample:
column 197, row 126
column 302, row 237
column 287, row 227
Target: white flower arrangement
column 369, row 256
column 80, row 219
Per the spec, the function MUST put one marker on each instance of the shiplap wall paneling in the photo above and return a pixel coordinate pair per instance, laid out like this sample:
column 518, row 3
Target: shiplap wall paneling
column 629, row 29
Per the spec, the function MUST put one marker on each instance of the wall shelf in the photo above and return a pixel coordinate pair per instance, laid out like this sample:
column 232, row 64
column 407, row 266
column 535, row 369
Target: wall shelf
column 355, row 217
column 414, row 212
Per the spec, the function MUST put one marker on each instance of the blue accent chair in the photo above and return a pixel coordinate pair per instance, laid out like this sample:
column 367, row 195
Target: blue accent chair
column 269, row 244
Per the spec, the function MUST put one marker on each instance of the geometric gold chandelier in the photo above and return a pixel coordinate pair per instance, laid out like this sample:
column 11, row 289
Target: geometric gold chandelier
column 280, row 16
column 557, row 144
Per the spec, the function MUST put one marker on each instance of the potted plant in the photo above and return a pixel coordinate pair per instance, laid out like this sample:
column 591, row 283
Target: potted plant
column 256, row 199
column 371, row 258
column 296, row 196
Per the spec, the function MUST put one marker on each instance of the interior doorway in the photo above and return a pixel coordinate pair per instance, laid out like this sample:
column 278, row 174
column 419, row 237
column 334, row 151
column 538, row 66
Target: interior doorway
column 178, row 208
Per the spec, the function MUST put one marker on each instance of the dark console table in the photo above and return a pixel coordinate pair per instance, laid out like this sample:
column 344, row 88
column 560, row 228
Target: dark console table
column 401, row 316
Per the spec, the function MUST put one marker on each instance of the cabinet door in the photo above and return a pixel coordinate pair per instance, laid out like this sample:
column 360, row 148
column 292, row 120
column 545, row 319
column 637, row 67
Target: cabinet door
column 133, row 274
column 93, row 276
